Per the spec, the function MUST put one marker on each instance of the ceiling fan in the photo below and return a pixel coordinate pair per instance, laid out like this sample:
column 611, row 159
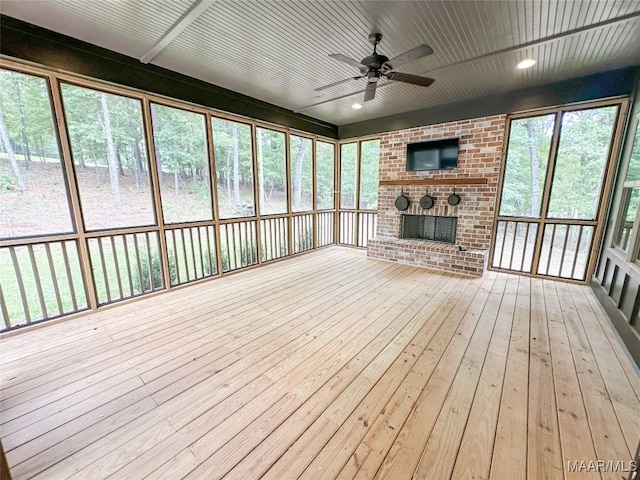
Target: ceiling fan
column 376, row 66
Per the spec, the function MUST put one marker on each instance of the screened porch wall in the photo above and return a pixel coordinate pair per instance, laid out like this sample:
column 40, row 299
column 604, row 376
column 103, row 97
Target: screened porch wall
column 97, row 257
column 616, row 280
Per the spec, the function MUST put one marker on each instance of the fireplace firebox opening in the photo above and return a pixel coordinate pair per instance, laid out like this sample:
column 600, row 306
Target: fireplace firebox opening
column 429, row 227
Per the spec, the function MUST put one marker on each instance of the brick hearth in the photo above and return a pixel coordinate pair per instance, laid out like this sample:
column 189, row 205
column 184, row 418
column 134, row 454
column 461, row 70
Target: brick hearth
column 480, row 152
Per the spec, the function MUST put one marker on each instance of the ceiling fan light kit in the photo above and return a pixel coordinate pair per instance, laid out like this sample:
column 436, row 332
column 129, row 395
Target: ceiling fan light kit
column 377, row 66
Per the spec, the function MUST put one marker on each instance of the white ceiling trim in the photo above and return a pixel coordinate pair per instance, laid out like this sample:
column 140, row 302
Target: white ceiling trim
column 177, row 28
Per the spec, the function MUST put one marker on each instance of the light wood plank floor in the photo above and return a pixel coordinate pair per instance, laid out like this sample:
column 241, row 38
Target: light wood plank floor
column 328, row 365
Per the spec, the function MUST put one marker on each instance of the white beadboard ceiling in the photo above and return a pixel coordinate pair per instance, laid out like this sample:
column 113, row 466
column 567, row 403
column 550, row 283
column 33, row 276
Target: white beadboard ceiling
column 277, row 51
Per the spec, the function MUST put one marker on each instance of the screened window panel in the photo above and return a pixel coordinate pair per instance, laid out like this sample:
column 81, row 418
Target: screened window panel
column 325, row 169
column 183, row 166
column 300, row 149
column 369, row 169
column 33, row 193
column 348, row 163
column 526, row 166
column 631, row 198
column 585, row 139
column 272, row 178
column 110, row 157
column 234, row 168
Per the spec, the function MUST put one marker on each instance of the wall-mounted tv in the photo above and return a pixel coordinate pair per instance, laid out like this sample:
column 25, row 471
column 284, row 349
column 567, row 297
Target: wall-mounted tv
column 436, row 155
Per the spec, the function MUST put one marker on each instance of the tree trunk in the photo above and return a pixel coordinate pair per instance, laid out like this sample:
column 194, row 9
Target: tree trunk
column 137, row 170
column 236, row 166
column 95, row 164
column 120, row 169
column 227, row 179
column 176, row 177
column 160, row 174
column 23, row 128
column 41, row 148
column 4, row 134
column 297, row 178
column 260, row 170
column 112, row 160
column 535, row 165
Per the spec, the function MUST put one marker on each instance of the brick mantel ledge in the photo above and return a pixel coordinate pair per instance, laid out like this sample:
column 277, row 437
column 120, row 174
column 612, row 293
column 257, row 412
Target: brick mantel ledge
column 434, row 255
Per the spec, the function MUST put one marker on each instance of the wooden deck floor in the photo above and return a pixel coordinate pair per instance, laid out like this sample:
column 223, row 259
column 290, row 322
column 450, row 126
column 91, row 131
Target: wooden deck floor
column 328, row 365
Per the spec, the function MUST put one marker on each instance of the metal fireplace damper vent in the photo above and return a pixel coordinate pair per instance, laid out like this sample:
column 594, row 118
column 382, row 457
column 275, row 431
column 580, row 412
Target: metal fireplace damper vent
column 430, row 227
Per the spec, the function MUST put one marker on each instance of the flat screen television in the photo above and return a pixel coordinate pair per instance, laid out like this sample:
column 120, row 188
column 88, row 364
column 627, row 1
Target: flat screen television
column 436, row 155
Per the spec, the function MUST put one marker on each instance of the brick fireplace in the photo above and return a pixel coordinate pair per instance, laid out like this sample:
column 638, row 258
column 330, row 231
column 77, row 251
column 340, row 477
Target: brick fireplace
column 475, row 180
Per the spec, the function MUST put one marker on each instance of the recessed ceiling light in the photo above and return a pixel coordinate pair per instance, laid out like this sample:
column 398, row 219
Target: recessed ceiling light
column 527, row 63
column 356, row 105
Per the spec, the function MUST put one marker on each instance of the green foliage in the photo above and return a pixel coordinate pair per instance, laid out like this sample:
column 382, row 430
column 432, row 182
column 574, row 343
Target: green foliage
column 88, row 141
column 180, row 141
column 369, row 171
column 301, row 174
column 24, row 100
column 325, row 153
column 529, row 144
column 633, row 171
column 303, row 241
column 585, row 136
column 348, row 161
column 7, row 183
column 151, row 278
column 234, row 168
column 272, row 179
column 182, row 160
column 243, row 255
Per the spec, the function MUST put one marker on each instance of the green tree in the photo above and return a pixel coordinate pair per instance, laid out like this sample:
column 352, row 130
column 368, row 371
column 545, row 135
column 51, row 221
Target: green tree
column 301, row 175
column 369, row 171
column 348, row 163
column 325, row 169
column 234, row 167
column 272, row 181
column 526, row 166
column 104, row 119
column 6, row 141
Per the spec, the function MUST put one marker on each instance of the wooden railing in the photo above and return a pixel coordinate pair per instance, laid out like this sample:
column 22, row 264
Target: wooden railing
column 565, row 250
column 302, row 232
column 564, row 247
column 274, row 233
column 191, row 253
column 367, row 223
column 514, row 245
column 47, row 282
column 238, row 244
column 125, row 265
column 48, row 279
column 326, row 230
column 357, row 227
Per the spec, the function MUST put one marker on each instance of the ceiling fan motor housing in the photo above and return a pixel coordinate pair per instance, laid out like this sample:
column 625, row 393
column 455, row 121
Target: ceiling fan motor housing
column 375, row 61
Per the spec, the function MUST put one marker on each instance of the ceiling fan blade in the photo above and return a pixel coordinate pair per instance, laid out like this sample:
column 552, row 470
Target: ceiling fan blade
column 345, row 59
column 339, row 82
column 409, row 56
column 408, row 78
column 370, row 91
